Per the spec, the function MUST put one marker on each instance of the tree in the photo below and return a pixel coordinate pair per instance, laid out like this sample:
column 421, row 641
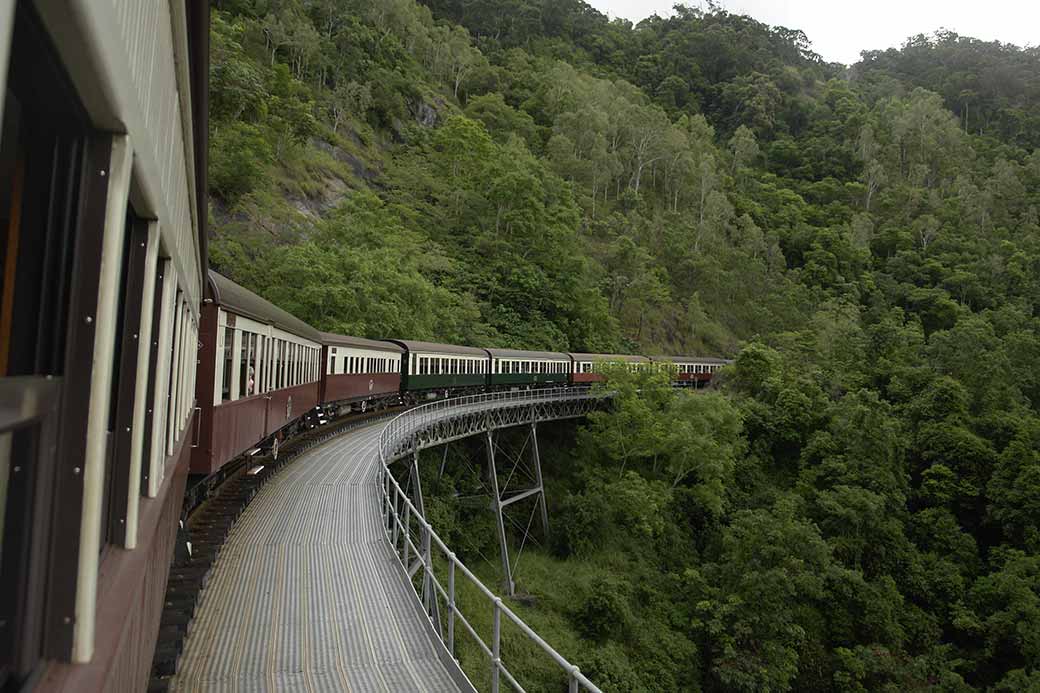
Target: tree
column 349, row 99
column 703, row 440
column 756, row 604
column 743, row 147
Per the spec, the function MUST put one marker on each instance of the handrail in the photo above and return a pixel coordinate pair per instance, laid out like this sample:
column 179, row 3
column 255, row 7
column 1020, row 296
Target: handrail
column 404, row 426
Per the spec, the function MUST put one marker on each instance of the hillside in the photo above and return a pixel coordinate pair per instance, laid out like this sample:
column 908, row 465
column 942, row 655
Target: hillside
column 863, row 511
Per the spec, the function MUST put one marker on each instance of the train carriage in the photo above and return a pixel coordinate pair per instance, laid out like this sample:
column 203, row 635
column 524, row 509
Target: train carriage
column 587, row 368
column 692, row 371
column 429, row 367
column 512, row 367
column 360, row 371
column 261, row 371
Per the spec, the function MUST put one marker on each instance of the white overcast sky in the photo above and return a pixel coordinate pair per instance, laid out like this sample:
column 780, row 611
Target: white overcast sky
column 840, row 29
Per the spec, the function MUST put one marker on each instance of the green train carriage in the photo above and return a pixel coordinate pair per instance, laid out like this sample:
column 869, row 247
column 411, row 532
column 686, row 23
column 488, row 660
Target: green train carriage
column 429, row 367
column 516, row 368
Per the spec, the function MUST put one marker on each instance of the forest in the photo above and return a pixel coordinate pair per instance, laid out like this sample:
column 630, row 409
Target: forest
column 855, row 504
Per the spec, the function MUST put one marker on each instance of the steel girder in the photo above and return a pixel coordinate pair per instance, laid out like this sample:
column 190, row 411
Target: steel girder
column 451, row 425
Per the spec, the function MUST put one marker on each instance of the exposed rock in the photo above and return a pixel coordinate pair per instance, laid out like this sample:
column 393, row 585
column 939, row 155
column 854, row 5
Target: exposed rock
column 426, row 115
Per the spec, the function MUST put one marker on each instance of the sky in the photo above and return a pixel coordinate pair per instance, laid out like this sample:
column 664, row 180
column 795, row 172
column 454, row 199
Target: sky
column 840, row 29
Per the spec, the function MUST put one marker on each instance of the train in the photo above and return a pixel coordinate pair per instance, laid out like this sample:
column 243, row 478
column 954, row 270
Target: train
column 264, row 374
column 130, row 372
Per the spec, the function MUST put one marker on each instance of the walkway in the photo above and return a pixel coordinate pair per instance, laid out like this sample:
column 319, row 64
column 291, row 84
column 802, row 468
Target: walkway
column 307, row 594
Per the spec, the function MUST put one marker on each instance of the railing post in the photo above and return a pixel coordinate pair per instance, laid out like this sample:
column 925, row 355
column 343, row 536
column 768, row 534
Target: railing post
column 407, row 531
column 396, row 516
column 451, row 603
column 387, row 512
column 572, row 687
column 496, row 647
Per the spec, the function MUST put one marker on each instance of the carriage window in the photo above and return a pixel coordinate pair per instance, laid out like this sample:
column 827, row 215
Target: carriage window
column 261, row 343
column 281, row 362
column 286, row 355
column 225, row 385
column 246, row 375
column 287, row 364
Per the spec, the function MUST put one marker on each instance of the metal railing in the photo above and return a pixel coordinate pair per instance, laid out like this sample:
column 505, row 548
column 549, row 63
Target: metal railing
column 400, row 515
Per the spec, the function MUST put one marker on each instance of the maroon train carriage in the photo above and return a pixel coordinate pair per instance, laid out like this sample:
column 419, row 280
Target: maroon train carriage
column 586, row 368
column 359, row 373
column 259, row 373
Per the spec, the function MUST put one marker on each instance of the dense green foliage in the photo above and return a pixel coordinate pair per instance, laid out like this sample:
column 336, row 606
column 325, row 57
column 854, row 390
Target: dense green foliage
column 857, row 506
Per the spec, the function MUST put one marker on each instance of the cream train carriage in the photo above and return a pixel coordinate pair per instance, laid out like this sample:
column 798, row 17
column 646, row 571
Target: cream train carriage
column 102, row 199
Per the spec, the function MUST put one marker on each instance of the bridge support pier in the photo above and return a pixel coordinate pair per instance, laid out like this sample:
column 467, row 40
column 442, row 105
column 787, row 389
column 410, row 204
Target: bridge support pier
column 425, row 561
column 502, row 497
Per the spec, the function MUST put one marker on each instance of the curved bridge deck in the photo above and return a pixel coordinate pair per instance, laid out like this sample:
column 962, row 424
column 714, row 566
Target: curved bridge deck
column 308, row 596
